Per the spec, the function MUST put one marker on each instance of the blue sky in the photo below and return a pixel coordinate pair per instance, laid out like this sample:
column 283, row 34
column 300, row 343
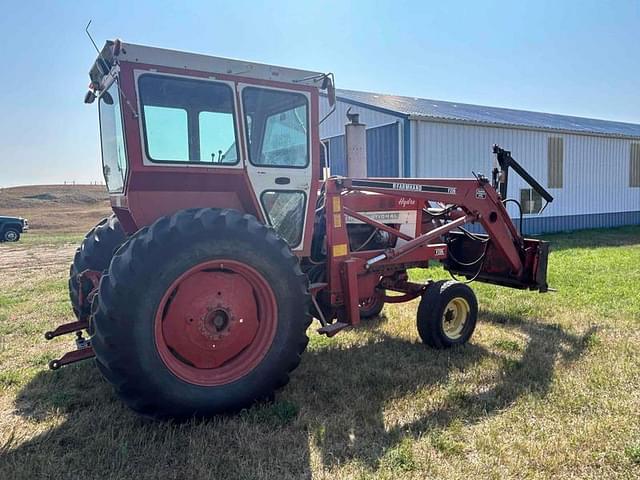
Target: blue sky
column 572, row 57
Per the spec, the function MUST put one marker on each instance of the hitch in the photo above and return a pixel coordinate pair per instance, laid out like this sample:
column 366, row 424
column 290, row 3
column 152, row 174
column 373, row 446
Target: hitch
column 83, row 346
column 66, row 328
column 88, row 281
column 82, row 352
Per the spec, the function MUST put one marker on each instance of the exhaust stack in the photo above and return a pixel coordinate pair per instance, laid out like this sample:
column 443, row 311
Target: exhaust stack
column 356, row 143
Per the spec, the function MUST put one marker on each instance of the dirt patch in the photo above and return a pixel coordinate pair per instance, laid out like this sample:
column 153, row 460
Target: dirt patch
column 25, row 259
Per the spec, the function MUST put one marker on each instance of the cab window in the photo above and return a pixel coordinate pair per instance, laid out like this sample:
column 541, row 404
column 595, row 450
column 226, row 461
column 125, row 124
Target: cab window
column 279, row 127
column 188, row 120
column 114, row 161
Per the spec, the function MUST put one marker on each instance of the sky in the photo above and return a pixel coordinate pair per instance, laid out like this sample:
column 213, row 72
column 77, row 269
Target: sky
column 561, row 56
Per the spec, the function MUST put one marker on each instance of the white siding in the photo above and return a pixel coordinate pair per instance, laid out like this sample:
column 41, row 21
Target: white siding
column 596, row 169
column 334, row 124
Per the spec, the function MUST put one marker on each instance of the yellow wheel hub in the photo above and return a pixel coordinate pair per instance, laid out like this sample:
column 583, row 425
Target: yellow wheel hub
column 455, row 317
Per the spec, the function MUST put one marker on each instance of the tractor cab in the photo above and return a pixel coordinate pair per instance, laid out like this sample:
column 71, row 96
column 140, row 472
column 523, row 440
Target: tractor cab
column 180, row 130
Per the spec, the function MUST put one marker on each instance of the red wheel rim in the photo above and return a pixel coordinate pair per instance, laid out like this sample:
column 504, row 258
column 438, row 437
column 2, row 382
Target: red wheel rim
column 216, row 322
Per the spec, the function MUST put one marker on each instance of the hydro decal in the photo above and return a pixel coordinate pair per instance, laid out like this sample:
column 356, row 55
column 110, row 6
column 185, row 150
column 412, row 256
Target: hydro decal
column 406, row 202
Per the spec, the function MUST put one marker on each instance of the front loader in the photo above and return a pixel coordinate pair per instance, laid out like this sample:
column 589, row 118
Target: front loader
column 228, row 235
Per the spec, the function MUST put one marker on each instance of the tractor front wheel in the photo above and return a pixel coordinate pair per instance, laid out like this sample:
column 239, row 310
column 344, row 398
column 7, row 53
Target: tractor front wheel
column 204, row 312
column 372, row 306
column 447, row 314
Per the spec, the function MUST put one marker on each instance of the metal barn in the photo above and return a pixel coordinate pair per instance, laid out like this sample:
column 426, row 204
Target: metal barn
column 591, row 167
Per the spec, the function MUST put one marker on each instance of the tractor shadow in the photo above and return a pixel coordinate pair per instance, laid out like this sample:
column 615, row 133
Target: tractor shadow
column 339, row 402
column 367, row 425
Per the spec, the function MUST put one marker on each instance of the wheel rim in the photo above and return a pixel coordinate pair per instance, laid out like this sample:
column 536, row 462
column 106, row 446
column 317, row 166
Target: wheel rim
column 11, row 236
column 370, row 303
column 216, row 322
column 455, row 317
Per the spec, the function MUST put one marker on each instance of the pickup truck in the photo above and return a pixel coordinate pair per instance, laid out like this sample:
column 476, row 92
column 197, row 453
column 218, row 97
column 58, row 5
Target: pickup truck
column 12, row 227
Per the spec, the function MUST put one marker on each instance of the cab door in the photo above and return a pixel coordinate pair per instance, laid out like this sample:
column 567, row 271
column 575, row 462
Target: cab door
column 278, row 141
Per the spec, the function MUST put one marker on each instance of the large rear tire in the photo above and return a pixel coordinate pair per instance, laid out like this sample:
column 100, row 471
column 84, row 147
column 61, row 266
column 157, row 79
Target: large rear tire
column 204, row 312
column 95, row 253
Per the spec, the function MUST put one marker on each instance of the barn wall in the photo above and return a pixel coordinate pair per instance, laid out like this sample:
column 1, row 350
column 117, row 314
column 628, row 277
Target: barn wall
column 334, row 124
column 595, row 190
column 383, row 151
column 385, row 137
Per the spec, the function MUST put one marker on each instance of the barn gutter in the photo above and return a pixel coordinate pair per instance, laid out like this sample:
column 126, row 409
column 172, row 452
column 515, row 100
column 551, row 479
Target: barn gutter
column 428, row 118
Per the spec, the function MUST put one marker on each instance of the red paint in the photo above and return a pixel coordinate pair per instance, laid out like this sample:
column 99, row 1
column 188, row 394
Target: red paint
column 190, row 342
column 160, row 189
column 152, row 191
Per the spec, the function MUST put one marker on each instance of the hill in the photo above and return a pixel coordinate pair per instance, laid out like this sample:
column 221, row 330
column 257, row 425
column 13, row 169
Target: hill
column 56, row 208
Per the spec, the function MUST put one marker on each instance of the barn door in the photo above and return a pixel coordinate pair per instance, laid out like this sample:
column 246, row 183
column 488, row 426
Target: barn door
column 383, row 151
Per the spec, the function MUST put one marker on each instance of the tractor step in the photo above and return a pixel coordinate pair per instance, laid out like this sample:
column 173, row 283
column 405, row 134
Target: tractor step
column 332, row 329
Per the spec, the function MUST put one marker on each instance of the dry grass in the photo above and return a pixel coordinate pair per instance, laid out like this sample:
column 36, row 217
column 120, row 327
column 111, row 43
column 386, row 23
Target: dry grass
column 61, row 209
column 548, row 387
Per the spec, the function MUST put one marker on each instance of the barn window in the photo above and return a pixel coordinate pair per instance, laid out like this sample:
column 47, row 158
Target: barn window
column 634, row 165
column 530, row 200
column 555, row 156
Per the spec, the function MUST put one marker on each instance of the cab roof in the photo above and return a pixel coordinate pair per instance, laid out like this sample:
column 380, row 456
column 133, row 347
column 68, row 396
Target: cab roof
column 130, row 52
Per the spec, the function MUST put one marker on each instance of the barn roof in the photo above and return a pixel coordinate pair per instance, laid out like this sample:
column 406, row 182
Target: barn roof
column 492, row 116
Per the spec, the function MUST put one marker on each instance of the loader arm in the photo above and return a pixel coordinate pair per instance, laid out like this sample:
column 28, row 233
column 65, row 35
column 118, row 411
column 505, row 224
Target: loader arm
column 476, row 199
column 500, row 256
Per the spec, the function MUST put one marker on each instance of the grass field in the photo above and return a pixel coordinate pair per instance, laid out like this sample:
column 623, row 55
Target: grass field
column 549, row 386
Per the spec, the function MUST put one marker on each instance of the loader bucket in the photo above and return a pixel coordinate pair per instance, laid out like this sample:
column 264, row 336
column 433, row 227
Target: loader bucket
column 482, row 262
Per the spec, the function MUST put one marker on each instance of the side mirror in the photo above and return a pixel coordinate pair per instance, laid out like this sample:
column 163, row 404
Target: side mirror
column 106, row 98
column 328, row 85
column 331, row 94
column 89, row 97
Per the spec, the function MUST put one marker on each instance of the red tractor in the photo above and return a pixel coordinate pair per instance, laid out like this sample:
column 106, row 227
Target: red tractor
column 228, row 235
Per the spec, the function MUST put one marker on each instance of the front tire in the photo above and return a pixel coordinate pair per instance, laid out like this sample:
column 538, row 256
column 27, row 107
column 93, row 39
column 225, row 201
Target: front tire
column 204, row 312
column 447, row 314
column 372, row 306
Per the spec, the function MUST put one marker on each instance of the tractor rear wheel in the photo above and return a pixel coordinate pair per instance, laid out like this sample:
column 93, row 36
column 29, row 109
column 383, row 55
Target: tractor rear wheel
column 447, row 314
column 95, row 253
column 203, row 312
